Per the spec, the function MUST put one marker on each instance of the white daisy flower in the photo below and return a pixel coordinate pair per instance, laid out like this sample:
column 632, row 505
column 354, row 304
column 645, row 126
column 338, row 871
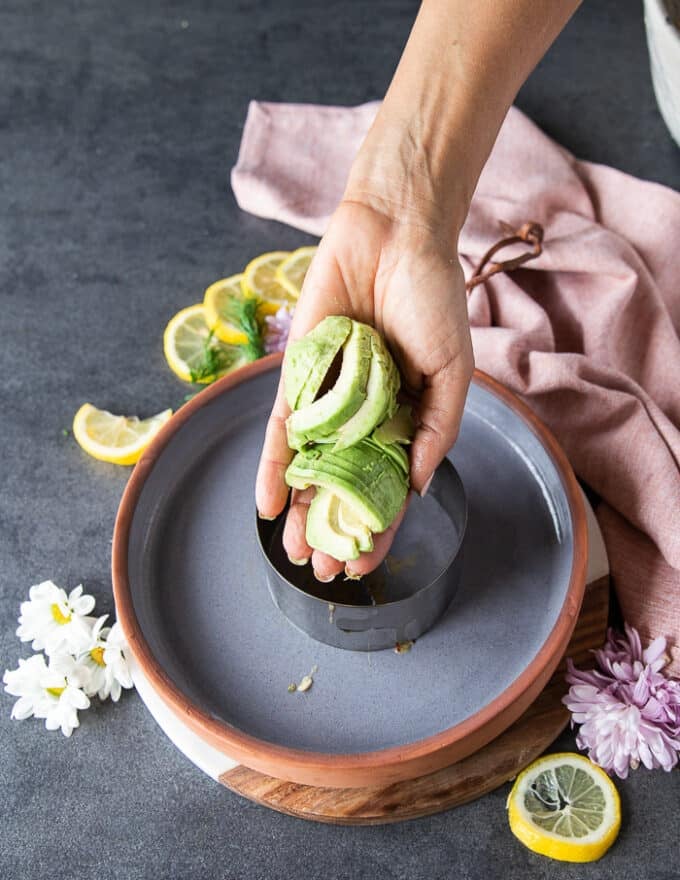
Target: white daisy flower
column 25, row 683
column 55, row 622
column 64, row 682
column 117, row 669
column 99, row 682
column 53, row 692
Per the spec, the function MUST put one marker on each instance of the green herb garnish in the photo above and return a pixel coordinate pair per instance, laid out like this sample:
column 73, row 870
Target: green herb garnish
column 217, row 358
column 244, row 314
column 214, row 360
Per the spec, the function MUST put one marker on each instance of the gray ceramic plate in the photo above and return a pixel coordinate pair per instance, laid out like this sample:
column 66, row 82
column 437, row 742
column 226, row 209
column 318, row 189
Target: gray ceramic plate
column 192, row 597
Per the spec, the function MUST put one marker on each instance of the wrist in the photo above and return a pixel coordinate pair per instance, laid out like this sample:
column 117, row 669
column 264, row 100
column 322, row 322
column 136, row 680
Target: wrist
column 400, row 173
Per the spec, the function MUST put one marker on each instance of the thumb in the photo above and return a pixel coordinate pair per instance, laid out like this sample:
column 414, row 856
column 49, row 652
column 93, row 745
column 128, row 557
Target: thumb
column 439, row 415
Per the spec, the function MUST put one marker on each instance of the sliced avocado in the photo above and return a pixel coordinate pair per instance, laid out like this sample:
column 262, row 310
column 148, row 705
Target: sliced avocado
column 369, row 479
column 344, row 488
column 351, row 524
column 379, row 475
column 400, row 428
column 381, row 397
column 334, row 408
column 309, row 359
column 348, row 440
column 393, row 451
column 323, row 529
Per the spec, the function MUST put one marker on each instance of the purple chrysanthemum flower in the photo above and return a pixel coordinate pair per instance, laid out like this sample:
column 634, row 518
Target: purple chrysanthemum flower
column 628, row 710
column 277, row 328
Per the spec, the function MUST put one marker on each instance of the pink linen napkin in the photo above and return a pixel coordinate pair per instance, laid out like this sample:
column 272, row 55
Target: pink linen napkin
column 587, row 333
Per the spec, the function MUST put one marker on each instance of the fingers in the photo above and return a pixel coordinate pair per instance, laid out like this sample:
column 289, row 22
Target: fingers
column 271, row 491
column 325, row 566
column 294, row 541
column 439, row 414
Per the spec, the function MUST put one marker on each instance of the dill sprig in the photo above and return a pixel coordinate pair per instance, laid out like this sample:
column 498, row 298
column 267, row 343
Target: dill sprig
column 243, row 313
column 215, row 359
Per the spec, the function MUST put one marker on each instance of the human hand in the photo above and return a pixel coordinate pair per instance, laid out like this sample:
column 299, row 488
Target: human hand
column 404, row 279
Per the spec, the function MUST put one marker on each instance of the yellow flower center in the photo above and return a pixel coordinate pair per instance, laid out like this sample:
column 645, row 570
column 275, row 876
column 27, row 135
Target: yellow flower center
column 58, row 616
column 97, row 655
column 56, row 692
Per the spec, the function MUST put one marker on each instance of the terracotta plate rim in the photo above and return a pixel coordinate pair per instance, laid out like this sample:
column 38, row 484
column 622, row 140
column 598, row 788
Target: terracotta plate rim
column 347, row 768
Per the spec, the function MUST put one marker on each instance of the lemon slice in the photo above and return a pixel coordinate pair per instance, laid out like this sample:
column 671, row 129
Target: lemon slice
column 291, row 272
column 216, row 302
column 259, row 280
column 118, row 439
column 192, row 352
column 565, row 807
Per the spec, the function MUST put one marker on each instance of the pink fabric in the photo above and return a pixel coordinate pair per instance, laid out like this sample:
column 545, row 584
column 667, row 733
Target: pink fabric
column 587, row 333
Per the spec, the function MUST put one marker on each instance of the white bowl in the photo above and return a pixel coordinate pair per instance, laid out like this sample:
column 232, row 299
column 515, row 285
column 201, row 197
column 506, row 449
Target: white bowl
column 663, row 40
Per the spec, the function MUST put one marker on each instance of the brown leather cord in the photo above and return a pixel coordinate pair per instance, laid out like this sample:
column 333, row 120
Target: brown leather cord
column 530, row 232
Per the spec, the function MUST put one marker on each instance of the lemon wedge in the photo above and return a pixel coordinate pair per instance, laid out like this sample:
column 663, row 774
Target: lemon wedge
column 259, row 280
column 192, row 352
column 216, row 303
column 118, row 439
column 565, row 807
column 290, row 273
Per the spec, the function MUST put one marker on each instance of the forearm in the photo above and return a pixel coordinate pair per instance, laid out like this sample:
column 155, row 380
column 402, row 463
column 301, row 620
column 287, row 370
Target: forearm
column 461, row 69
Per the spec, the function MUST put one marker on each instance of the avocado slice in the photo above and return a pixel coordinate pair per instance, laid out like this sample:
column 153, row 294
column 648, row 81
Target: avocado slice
column 351, row 524
column 334, row 408
column 399, row 428
column 381, row 394
column 394, row 451
column 309, row 359
column 324, row 531
column 365, row 476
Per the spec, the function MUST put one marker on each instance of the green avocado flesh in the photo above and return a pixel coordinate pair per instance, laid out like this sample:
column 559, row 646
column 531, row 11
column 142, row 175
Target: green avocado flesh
column 323, row 531
column 398, row 428
column 349, row 439
column 309, row 359
column 350, row 522
column 364, row 476
column 335, row 407
column 381, row 393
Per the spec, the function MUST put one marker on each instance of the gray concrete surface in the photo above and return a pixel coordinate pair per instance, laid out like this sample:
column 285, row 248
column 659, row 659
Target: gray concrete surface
column 118, row 127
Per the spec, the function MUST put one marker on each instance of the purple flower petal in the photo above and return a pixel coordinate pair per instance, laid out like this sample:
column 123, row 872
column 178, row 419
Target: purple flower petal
column 628, row 710
column 277, row 328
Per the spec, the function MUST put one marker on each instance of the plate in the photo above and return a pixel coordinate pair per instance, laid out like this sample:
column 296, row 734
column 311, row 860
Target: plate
column 192, row 599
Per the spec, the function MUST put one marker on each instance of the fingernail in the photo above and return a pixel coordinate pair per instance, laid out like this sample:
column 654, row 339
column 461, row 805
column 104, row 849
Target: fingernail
column 303, row 561
column 268, row 518
column 423, row 491
column 352, row 575
column 324, row 580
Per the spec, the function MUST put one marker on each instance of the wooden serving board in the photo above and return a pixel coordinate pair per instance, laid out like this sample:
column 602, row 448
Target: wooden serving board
column 485, row 770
